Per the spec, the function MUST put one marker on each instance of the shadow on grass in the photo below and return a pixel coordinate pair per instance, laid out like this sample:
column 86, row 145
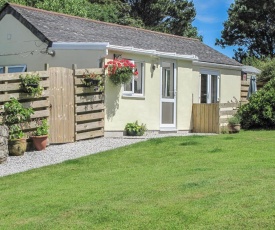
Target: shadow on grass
column 189, row 143
column 215, row 150
column 190, row 185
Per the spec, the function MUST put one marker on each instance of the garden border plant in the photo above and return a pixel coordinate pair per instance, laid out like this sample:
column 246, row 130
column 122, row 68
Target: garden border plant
column 134, row 129
column 16, row 117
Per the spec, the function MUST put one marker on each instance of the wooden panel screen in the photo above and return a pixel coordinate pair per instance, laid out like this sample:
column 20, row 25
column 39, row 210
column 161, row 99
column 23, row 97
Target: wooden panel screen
column 212, row 118
column 10, row 87
column 89, row 108
column 206, row 118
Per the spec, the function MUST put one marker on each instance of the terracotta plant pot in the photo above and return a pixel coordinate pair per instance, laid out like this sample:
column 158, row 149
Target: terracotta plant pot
column 234, row 128
column 40, row 142
column 17, row 147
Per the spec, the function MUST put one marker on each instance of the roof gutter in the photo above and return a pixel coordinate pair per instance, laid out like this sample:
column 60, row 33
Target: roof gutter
column 130, row 49
column 215, row 65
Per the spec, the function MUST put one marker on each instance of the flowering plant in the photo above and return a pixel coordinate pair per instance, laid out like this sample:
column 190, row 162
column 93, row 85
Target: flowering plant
column 120, row 71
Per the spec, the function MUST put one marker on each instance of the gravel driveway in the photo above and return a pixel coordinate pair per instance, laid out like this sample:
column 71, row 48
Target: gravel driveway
column 54, row 154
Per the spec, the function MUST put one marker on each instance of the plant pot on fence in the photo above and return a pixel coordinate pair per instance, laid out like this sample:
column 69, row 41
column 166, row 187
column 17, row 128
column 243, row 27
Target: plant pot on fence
column 17, row 147
column 90, row 81
column 234, row 128
column 40, row 142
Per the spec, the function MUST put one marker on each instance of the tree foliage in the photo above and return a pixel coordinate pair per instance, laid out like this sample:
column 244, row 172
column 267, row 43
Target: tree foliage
column 250, row 26
column 260, row 111
column 169, row 16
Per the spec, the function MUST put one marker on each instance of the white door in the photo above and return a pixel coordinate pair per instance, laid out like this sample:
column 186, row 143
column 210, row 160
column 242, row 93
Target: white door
column 168, row 96
column 209, row 92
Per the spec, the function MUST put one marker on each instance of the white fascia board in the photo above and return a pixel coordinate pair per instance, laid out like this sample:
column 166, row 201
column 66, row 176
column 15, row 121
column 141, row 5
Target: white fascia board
column 79, row 45
column 215, row 65
column 130, row 49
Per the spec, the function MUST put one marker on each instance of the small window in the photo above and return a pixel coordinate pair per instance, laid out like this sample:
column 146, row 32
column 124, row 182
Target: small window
column 14, row 69
column 136, row 85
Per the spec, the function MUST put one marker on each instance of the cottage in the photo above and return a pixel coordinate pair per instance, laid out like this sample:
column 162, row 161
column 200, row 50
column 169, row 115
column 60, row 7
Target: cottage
column 174, row 71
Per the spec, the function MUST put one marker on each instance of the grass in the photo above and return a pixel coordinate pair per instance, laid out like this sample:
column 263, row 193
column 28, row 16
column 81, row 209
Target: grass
column 196, row 182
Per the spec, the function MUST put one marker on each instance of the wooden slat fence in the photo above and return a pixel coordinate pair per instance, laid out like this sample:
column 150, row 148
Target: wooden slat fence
column 9, row 87
column 88, row 104
column 89, row 107
column 212, row 118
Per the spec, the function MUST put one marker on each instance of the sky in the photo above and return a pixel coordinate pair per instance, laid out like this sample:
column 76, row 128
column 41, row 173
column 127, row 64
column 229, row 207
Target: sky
column 209, row 20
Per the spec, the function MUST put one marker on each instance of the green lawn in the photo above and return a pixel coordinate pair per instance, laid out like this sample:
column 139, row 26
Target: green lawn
column 196, row 182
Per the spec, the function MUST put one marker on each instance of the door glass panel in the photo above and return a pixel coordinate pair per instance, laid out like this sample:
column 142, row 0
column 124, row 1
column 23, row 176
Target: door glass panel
column 167, row 113
column 167, row 83
column 214, row 85
column 203, row 88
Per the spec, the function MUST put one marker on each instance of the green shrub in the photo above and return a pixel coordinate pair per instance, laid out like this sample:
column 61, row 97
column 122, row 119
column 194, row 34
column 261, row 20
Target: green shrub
column 234, row 120
column 134, row 129
column 260, row 111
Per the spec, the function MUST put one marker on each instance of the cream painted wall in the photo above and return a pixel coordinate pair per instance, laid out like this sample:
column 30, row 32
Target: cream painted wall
column 15, row 38
column 187, row 86
column 121, row 109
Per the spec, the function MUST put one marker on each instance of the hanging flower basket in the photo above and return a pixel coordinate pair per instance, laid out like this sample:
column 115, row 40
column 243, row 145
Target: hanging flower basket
column 120, row 71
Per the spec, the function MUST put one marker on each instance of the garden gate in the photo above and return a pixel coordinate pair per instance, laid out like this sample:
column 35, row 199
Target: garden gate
column 61, row 105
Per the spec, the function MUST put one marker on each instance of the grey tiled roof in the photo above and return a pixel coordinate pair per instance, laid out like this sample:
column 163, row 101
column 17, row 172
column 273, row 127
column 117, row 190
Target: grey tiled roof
column 56, row 27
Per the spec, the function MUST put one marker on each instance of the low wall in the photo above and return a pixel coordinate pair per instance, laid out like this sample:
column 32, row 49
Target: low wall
column 4, row 152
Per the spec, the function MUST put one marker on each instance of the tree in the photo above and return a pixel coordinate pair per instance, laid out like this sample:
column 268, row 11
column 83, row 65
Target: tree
column 169, row 16
column 250, row 26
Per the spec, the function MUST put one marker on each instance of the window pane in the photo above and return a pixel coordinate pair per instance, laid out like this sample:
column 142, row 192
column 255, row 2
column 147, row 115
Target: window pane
column 214, row 85
column 128, row 86
column 203, row 88
column 138, row 79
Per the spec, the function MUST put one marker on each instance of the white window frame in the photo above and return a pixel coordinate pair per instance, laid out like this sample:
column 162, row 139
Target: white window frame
column 132, row 93
column 209, row 73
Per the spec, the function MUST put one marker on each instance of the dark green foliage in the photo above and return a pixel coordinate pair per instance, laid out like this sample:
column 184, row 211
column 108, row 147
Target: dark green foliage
column 250, row 26
column 268, row 70
column 260, row 111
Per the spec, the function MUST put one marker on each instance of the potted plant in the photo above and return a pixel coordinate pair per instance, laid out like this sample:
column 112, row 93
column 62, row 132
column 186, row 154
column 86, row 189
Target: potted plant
column 30, row 84
column 120, row 71
column 92, row 79
column 15, row 116
column 40, row 136
column 234, row 124
column 134, row 129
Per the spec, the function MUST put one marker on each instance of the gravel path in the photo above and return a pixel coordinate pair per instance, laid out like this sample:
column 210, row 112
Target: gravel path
column 54, row 154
